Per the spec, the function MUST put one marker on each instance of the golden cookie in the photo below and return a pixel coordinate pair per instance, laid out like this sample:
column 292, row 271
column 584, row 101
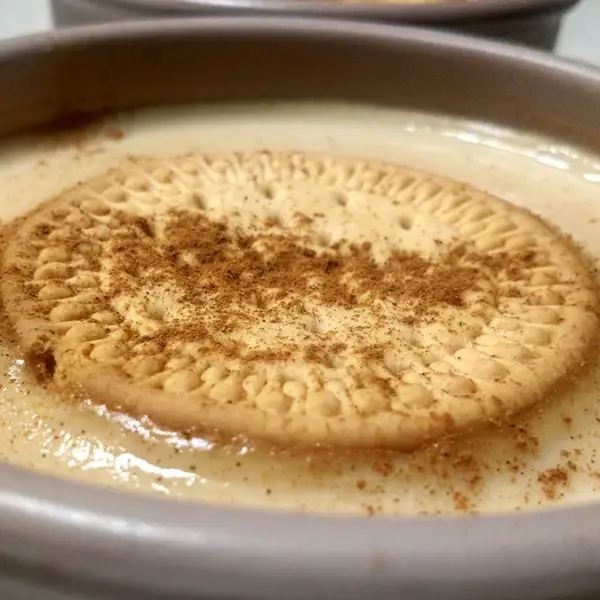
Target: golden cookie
column 299, row 298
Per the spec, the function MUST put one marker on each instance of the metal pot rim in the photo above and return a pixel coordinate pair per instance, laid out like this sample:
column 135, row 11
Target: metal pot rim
column 447, row 13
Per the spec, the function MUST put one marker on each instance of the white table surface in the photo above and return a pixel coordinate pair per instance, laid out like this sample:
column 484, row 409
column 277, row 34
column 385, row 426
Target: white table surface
column 579, row 39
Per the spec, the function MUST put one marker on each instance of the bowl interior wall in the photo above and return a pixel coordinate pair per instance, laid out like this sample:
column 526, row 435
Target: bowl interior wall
column 257, row 63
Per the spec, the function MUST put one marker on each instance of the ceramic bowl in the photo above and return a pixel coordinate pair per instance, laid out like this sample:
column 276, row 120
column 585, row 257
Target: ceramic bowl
column 65, row 540
column 531, row 22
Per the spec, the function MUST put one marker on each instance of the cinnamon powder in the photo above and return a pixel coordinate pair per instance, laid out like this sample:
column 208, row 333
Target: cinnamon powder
column 268, row 276
column 273, row 272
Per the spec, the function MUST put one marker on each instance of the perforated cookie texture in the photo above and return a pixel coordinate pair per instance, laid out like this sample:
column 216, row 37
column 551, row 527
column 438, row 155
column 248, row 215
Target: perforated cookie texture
column 298, row 297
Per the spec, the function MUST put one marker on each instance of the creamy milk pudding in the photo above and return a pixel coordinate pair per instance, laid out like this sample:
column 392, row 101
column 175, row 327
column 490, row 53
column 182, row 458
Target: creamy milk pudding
column 350, row 288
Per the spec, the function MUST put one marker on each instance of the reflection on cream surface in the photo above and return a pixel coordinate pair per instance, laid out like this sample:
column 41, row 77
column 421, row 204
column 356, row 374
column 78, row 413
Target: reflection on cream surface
column 495, row 472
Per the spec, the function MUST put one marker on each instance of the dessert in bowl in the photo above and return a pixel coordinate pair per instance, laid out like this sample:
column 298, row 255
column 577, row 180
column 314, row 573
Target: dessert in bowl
column 324, row 307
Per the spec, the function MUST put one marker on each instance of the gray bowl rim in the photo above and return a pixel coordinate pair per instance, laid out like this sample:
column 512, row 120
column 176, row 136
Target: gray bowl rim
column 471, row 10
column 99, row 534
